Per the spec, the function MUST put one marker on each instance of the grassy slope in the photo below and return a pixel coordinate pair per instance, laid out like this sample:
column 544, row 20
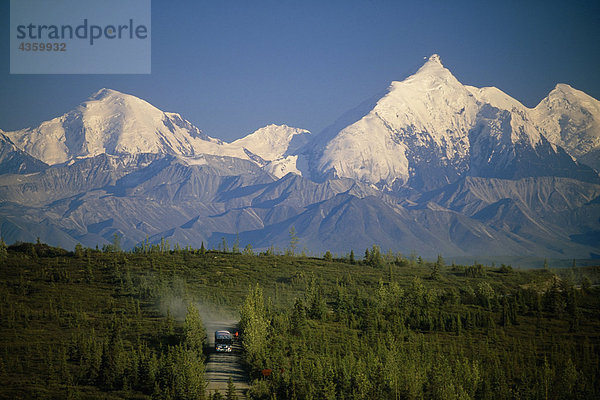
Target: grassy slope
column 50, row 301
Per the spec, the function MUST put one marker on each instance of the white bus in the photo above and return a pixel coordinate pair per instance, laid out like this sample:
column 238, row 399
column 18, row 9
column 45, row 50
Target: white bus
column 223, row 341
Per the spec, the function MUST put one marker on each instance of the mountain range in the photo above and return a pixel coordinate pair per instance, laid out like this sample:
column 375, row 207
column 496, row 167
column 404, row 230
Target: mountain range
column 430, row 166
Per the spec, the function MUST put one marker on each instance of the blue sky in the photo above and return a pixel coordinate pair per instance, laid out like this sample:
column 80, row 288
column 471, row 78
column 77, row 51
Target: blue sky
column 231, row 67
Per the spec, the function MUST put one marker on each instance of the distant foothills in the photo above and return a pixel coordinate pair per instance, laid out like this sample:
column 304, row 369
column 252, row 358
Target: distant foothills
column 429, row 167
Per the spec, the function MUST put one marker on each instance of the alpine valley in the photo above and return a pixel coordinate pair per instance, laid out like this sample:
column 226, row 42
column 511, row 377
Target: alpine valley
column 430, row 166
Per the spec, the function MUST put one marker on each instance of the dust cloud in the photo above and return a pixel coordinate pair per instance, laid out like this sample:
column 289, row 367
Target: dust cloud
column 214, row 317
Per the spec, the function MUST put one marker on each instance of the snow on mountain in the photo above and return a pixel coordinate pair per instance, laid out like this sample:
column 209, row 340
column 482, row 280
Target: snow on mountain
column 15, row 161
column 424, row 118
column 276, row 145
column 283, row 166
column 115, row 123
column 567, row 117
column 423, row 132
column 496, row 98
column 430, row 129
column 571, row 119
column 522, row 128
column 471, row 172
column 273, row 141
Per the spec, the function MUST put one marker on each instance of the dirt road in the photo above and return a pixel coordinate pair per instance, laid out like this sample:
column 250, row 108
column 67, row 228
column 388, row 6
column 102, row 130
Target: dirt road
column 221, row 366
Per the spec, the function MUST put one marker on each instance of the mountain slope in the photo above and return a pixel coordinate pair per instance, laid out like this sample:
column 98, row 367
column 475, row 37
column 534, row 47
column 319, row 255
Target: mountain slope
column 91, row 199
column 507, row 145
column 275, row 147
column 421, row 122
column 430, row 130
column 114, row 123
column 571, row 119
column 15, row 161
column 160, row 196
column 567, row 118
column 273, row 141
column 430, row 166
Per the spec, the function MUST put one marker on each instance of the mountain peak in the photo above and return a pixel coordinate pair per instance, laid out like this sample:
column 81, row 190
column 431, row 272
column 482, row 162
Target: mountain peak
column 563, row 87
column 114, row 123
column 562, row 90
column 433, row 63
column 105, row 92
column 432, row 72
column 435, row 58
column 570, row 118
column 428, row 110
column 496, row 98
column 274, row 141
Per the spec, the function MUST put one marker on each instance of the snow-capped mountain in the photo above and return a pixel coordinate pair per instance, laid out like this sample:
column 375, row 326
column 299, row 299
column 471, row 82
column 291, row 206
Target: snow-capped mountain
column 571, row 119
column 430, row 130
column 567, row 117
column 276, row 146
column 274, row 141
column 422, row 121
column 114, row 123
column 430, row 165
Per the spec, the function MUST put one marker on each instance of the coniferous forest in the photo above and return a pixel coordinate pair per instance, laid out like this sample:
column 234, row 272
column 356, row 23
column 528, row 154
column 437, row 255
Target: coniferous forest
column 109, row 324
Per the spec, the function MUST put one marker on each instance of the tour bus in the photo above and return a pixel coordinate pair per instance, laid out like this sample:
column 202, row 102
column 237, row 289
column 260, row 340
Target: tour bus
column 223, row 341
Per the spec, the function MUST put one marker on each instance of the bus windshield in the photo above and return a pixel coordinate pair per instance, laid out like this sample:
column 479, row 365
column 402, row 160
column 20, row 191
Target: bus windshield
column 223, row 337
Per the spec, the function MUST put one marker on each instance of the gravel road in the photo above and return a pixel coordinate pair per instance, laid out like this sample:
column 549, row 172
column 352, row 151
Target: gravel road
column 221, row 366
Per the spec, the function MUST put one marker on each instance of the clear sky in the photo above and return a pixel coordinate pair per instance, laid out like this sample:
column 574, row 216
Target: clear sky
column 231, row 67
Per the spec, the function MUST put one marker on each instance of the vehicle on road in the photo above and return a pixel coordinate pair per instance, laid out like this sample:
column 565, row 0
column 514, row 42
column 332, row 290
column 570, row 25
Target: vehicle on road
column 223, row 341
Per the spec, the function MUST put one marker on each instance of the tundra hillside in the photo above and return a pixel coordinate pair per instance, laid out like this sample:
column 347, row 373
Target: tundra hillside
column 113, row 324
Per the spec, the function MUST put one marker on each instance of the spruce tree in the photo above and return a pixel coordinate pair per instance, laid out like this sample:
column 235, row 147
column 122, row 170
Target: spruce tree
column 78, row 250
column 254, row 324
column 298, row 319
column 193, row 329
column 231, row 394
column 236, row 245
column 3, row 249
column 223, row 245
column 116, row 243
column 293, row 241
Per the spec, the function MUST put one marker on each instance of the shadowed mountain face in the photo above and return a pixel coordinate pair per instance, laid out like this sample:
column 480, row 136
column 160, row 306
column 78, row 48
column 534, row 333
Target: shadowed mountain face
column 15, row 161
column 431, row 166
column 156, row 197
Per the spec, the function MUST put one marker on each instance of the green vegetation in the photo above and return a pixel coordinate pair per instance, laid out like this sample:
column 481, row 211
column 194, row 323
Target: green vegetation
column 112, row 324
column 423, row 330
